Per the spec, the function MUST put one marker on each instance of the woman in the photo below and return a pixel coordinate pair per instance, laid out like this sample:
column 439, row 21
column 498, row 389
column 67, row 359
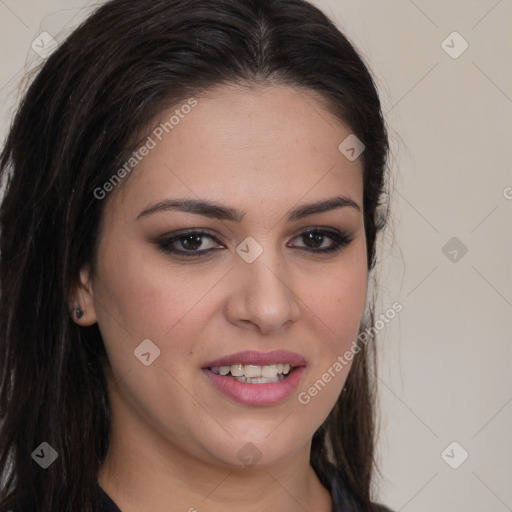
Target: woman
column 193, row 196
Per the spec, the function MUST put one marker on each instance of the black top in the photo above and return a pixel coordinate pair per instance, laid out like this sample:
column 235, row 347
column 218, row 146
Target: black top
column 342, row 500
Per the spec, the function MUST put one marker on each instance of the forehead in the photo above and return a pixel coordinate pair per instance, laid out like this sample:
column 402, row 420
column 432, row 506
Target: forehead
column 263, row 144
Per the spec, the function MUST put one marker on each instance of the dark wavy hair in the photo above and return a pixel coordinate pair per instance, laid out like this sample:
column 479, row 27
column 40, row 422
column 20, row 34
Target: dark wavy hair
column 86, row 109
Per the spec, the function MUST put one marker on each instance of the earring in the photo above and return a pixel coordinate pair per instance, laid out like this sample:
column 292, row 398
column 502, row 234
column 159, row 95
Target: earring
column 79, row 313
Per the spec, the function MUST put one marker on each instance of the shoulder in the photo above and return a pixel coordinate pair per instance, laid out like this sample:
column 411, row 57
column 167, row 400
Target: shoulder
column 343, row 499
column 105, row 504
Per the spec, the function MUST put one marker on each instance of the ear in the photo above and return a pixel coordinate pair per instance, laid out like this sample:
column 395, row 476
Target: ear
column 82, row 300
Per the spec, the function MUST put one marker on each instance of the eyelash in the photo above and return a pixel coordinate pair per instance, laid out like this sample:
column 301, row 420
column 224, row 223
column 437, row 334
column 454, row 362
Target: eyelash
column 340, row 240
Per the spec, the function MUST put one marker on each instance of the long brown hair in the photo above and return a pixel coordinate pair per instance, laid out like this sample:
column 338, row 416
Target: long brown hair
column 83, row 113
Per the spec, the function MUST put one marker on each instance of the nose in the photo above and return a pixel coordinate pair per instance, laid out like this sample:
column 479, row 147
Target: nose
column 263, row 296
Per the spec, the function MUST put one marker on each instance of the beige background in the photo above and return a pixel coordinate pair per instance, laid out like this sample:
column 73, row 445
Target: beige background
column 446, row 358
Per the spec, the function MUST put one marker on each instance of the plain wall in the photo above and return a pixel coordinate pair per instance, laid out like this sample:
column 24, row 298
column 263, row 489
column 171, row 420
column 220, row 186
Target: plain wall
column 445, row 360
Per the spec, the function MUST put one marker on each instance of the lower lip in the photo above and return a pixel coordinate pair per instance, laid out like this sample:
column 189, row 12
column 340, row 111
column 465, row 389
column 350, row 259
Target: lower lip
column 255, row 394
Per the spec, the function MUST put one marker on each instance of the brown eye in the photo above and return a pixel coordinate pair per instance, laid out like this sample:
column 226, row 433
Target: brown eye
column 315, row 238
column 187, row 244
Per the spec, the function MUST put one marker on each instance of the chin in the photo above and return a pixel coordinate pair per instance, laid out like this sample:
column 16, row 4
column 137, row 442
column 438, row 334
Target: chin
column 257, row 449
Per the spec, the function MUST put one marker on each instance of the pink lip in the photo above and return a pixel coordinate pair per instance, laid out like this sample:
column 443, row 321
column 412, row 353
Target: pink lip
column 255, row 394
column 258, row 358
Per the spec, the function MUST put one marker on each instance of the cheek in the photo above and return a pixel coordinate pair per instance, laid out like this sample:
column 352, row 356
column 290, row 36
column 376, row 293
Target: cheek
column 337, row 303
column 142, row 296
column 147, row 293
column 336, row 296
column 350, row 301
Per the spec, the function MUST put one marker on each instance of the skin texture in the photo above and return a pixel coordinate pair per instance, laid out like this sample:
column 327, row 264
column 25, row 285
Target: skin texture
column 265, row 150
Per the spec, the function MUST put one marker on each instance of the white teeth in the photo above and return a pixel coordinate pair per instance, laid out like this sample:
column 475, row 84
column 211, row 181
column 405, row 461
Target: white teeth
column 252, row 371
column 237, row 370
column 259, row 380
column 270, row 372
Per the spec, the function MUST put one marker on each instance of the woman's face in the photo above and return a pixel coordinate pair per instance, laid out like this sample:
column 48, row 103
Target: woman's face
column 169, row 308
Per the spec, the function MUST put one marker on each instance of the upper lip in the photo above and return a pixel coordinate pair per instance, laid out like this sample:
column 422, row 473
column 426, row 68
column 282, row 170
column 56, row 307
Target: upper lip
column 258, row 358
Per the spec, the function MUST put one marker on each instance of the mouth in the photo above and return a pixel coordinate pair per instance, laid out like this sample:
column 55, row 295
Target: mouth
column 256, row 378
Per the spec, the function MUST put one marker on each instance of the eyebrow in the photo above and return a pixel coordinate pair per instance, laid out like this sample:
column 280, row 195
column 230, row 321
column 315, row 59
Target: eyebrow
column 217, row 211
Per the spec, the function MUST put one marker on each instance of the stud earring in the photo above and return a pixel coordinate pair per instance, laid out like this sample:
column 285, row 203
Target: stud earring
column 79, row 313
